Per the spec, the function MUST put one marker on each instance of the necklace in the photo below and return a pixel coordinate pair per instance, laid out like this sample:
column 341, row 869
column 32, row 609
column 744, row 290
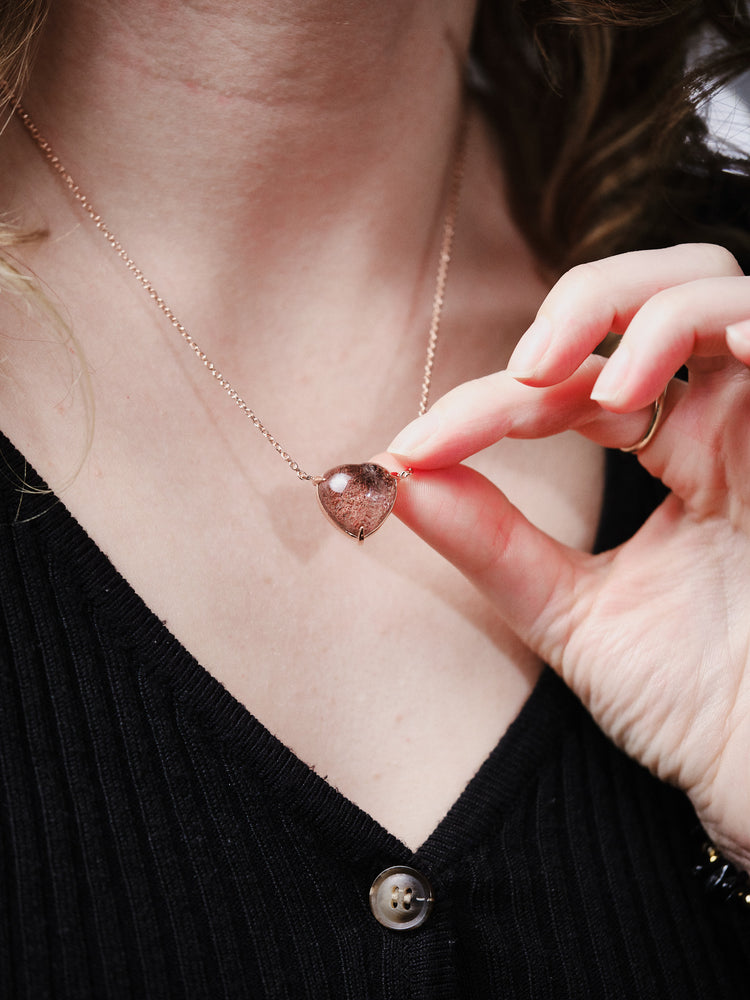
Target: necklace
column 356, row 498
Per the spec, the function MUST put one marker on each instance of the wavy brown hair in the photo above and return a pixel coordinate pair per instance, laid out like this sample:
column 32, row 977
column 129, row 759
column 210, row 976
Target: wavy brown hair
column 617, row 155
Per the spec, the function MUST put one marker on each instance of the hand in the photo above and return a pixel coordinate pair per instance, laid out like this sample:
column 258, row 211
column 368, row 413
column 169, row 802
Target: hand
column 654, row 636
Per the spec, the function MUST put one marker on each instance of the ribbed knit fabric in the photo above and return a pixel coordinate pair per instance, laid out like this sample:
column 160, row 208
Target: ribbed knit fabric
column 157, row 842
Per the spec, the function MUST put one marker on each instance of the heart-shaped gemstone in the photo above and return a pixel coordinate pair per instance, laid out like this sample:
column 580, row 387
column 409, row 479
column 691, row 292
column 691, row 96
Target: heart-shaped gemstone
column 358, row 498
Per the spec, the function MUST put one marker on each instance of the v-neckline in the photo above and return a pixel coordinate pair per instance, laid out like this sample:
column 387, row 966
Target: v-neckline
column 509, row 767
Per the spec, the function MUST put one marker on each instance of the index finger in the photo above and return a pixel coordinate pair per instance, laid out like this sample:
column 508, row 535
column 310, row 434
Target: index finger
column 603, row 296
column 476, row 414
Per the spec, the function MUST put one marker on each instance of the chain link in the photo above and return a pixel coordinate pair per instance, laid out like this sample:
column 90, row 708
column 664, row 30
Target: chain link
column 446, row 247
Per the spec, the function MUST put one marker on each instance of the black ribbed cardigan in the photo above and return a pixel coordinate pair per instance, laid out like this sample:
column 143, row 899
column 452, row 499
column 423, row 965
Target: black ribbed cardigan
column 157, row 841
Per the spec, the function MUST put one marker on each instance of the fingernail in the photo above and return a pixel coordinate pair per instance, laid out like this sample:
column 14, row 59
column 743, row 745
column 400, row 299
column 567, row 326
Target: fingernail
column 530, row 349
column 740, row 333
column 613, row 377
column 414, row 435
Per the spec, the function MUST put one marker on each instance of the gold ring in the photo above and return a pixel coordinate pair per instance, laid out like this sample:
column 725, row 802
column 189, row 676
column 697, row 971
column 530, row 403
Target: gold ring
column 652, row 428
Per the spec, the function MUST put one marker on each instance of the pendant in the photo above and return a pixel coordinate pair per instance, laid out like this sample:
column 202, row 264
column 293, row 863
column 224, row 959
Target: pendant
column 358, row 498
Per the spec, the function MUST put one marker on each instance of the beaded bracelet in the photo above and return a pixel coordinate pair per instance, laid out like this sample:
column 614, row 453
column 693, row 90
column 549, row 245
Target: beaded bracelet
column 721, row 878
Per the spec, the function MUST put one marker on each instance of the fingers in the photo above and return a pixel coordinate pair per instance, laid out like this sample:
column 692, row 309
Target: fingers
column 686, row 305
column 672, row 329
column 591, row 300
column 476, row 414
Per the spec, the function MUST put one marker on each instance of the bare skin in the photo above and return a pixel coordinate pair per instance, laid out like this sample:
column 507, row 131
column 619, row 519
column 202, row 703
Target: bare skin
column 279, row 172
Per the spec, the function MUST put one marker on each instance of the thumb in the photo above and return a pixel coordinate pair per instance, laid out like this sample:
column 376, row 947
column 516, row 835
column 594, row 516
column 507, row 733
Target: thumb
column 533, row 581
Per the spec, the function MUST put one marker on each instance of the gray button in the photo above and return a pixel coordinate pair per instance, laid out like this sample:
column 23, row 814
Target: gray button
column 401, row 899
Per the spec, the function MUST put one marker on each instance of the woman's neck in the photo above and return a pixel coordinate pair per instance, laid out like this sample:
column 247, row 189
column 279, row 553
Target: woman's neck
column 253, row 122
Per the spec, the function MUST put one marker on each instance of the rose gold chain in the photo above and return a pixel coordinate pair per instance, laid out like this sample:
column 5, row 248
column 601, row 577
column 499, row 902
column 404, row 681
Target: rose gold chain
column 446, row 248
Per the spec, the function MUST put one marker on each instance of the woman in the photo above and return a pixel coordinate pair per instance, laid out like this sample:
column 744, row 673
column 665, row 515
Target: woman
column 186, row 642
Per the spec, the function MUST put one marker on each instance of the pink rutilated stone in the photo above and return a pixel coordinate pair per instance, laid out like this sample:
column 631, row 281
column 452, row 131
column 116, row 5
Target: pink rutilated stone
column 358, row 498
